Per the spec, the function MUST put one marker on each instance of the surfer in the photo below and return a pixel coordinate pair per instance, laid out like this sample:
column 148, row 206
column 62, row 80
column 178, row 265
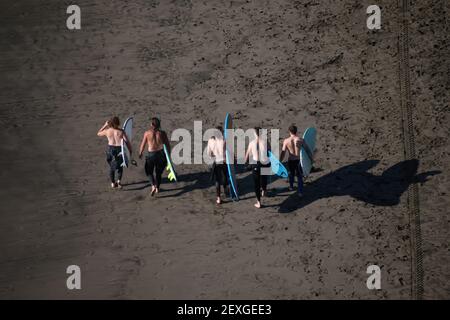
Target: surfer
column 257, row 149
column 216, row 150
column 155, row 161
column 114, row 134
column 292, row 146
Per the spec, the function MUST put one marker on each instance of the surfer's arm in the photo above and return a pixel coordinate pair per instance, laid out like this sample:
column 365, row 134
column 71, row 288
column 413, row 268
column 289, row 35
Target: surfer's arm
column 209, row 149
column 283, row 151
column 102, row 131
column 143, row 143
column 247, row 155
column 166, row 141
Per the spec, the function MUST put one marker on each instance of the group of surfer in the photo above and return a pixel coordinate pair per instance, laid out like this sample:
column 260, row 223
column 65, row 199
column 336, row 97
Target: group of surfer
column 155, row 160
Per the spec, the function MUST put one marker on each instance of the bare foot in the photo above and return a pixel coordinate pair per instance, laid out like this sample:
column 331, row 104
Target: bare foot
column 258, row 204
column 153, row 191
column 219, row 201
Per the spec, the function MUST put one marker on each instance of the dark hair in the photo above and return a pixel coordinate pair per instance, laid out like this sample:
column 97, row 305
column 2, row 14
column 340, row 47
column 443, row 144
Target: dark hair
column 293, row 129
column 156, row 124
column 219, row 128
column 114, row 122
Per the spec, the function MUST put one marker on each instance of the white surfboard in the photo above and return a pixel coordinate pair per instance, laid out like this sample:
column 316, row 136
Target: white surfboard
column 128, row 128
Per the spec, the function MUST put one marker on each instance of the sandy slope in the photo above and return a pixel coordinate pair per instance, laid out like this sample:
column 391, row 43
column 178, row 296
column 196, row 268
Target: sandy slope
column 270, row 63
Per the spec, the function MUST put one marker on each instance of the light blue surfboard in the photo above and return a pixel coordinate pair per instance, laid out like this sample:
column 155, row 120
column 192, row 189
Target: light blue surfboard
column 229, row 158
column 277, row 167
column 309, row 137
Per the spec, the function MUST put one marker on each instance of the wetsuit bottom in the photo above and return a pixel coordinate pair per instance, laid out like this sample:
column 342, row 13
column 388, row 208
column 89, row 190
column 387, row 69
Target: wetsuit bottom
column 220, row 177
column 259, row 180
column 155, row 162
column 295, row 170
column 114, row 160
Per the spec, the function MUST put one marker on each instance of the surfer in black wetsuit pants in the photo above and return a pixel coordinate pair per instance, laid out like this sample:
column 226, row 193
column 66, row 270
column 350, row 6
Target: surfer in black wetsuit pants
column 292, row 145
column 216, row 150
column 258, row 150
column 112, row 131
column 155, row 161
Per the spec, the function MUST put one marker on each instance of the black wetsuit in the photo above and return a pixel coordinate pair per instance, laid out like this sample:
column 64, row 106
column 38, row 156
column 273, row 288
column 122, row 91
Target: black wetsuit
column 155, row 162
column 219, row 175
column 295, row 170
column 115, row 161
column 259, row 180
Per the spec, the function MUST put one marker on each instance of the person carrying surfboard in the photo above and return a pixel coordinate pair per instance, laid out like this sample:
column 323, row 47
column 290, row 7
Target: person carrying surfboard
column 155, row 160
column 292, row 146
column 258, row 150
column 112, row 131
column 216, row 150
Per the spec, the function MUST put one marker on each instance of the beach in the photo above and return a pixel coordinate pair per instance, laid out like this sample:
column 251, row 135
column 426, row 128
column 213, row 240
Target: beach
column 269, row 64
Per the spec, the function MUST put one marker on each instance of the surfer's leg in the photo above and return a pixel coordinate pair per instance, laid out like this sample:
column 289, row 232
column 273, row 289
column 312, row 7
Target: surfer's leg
column 300, row 179
column 149, row 168
column 111, row 174
column 264, row 184
column 225, row 183
column 292, row 169
column 119, row 176
column 112, row 168
column 159, row 177
column 218, row 189
column 257, row 182
column 218, row 200
column 159, row 169
column 111, row 177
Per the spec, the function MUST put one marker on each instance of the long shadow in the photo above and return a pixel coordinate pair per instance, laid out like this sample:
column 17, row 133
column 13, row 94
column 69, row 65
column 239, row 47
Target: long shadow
column 354, row 180
column 144, row 184
column 201, row 180
column 245, row 183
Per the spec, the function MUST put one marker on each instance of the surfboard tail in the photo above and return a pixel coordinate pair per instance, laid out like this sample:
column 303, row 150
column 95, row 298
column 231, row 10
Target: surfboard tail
column 172, row 177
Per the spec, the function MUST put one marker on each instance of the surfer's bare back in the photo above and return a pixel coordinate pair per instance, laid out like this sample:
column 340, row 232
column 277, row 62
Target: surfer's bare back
column 112, row 131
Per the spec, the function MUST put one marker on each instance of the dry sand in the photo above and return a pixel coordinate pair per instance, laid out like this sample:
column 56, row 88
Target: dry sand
column 269, row 63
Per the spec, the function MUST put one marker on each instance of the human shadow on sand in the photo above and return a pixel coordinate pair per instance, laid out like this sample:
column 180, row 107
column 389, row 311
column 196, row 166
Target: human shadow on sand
column 354, row 180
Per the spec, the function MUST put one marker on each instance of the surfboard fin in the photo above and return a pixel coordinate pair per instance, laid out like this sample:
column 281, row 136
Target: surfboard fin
column 171, row 176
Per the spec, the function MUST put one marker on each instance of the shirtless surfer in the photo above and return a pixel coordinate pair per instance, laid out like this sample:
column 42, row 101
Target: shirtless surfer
column 155, row 160
column 114, row 134
column 216, row 150
column 292, row 146
column 257, row 150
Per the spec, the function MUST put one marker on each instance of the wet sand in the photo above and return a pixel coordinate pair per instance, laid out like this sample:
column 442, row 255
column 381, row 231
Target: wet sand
column 270, row 63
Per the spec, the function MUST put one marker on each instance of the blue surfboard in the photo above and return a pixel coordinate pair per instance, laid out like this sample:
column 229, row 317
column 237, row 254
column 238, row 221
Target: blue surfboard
column 229, row 159
column 277, row 167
